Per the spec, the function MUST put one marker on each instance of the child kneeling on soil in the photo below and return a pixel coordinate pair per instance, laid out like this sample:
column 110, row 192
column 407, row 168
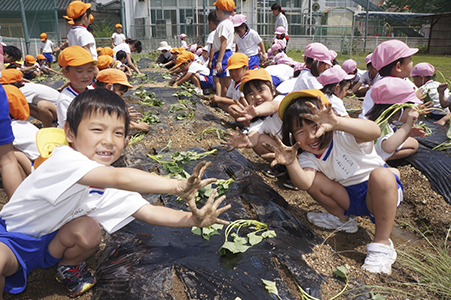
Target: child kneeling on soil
column 53, row 217
column 340, row 169
column 116, row 81
column 192, row 71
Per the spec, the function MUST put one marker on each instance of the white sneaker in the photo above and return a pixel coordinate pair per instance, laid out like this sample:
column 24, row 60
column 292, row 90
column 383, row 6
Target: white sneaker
column 379, row 258
column 199, row 91
column 329, row 221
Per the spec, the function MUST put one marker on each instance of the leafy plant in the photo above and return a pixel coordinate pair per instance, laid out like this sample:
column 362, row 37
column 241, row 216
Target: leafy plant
column 270, row 287
column 219, row 133
column 41, row 78
column 166, row 75
column 137, row 137
column 207, row 232
column 151, row 118
column 221, row 185
column 241, row 244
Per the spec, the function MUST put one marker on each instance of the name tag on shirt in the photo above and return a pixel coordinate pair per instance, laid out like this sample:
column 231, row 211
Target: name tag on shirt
column 345, row 165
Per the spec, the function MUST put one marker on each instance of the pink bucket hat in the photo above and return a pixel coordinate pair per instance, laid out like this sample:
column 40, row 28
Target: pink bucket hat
column 199, row 51
column 423, row 69
column 390, row 51
column 392, row 90
column 319, row 52
column 368, row 58
column 238, row 19
column 269, row 53
column 349, row 65
column 183, row 35
column 193, row 48
column 299, row 66
column 280, row 30
column 333, row 75
column 282, row 58
column 333, row 55
column 278, row 44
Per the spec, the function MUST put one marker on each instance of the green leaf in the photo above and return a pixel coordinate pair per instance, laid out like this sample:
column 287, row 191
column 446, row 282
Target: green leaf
column 269, row 234
column 196, row 230
column 238, row 239
column 270, row 287
column 233, row 247
column 254, row 239
column 341, row 272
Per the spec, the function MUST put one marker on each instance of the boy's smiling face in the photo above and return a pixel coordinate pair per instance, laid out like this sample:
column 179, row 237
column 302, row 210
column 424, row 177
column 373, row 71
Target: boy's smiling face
column 100, row 137
column 80, row 76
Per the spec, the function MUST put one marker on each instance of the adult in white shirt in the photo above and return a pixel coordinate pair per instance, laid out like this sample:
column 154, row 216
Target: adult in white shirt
column 281, row 19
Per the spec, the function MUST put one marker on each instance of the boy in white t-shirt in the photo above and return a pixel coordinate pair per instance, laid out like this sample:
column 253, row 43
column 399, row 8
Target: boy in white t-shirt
column 118, row 37
column 54, row 216
column 197, row 73
column 46, row 48
column 78, row 35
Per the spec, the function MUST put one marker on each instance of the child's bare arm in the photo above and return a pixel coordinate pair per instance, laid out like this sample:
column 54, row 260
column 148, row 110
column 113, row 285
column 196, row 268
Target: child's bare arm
column 111, row 42
column 183, row 79
column 441, row 95
column 222, row 50
column 225, row 100
column 284, row 155
column 262, row 48
column 240, row 140
column 363, row 130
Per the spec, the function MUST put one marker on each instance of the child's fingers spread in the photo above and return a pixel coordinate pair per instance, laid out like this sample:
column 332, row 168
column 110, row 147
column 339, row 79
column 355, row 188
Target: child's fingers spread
column 276, row 138
column 221, row 221
column 306, row 116
column 200, row 168
column 269, row 147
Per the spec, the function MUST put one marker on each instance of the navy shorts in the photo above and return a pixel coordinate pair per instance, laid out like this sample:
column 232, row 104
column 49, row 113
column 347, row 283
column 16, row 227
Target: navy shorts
column 276, row 81
column 31, row 253
column 48, row 57
column 206, row 82
column 357, row 198
column 254, row 62
column 226, row 57
column 6, row 132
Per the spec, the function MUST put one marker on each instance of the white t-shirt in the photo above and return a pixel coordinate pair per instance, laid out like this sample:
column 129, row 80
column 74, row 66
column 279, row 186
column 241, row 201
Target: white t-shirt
column 344, row 161
column 51, row 197
column 118, row 38
column 46, row 46
column 183, row 44
column 35, row 92
column 124, row 47
column 358, row 75
column 80, row 36
column 337, row 105
column 281, row 71
column 209, row 42
column 198, row 68
column 271, row 124
column 286, row 86
column 63, row 102
column 365, row 78
column 233, row 91
column 225, row 28
column 281, row 20
column 248, row 43
column 431, row 87
column 25, row 138
column 306, row 81
column 201, row 60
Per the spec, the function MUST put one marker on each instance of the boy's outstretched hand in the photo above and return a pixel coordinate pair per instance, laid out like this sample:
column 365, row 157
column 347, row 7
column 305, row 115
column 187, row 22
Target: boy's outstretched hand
column 281, row 154
column 239, row 140
column 187, row 188
column 208, row 214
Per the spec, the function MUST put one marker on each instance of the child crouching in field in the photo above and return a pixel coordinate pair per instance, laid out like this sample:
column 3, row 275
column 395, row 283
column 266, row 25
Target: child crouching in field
column 53, row 217
column 340, row 169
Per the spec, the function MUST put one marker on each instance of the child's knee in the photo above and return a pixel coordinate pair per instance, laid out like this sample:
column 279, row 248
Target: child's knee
column 382, row 178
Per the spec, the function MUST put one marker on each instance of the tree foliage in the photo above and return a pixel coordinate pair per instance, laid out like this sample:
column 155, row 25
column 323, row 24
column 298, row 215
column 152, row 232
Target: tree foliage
column 421, row 6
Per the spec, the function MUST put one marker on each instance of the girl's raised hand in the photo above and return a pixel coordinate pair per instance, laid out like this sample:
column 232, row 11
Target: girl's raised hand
column 239, row 140
column 324, row 116
column 281, row 154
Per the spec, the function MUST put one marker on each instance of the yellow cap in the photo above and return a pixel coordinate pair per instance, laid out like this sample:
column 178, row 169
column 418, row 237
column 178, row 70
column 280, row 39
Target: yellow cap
column 76, row 8
column 47, row 139
column 113, row 76
column 75, row 56
column 237, row 60
column 294, row 95
column 104, row 61
column 256, row 74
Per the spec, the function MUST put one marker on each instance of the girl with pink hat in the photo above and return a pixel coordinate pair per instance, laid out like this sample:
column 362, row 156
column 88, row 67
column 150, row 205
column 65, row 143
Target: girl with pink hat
column 350, row 67
column 183, row 41
column 336, row 83
column 366, row 81
column 248, row 41
column 281, row 20
column 317, row 58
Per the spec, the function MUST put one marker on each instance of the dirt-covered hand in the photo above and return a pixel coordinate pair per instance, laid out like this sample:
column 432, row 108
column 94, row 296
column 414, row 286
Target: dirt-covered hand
column 133, row 114
column 239, row 140
column 208, row 214
column 423, row 108
column 324, row 116
column 281, row 154
column 187, row 188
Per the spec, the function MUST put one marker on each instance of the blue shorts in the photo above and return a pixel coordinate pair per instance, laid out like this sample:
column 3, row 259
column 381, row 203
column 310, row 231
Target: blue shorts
column 276, row 81
column 6, row 132
column 31, row 253
column 206, row 82
column 226, row 57
column 357, row 198
column 48, row 57
column 254, row 62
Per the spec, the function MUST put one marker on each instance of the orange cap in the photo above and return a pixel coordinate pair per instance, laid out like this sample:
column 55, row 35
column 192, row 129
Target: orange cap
column 118, row 26
column 18, row 105
column 43, row 36
column 183, row 57
column 91, row 18
column 104, row 61
column 76, row 8
column 175, row 50
column 107, row 51
column 99, row 49
column 294, row 95
column 181, row 50
column 75, row 56
column 40, row 56
column 113, row 76
column 10, row 76
column 228, row 5
column 237, row 60
column 30, row 59
column 257, row 74
column 69, row 20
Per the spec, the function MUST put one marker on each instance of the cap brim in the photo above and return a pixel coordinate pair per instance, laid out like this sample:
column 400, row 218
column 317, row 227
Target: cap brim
column 294, row 95
column 47, row 139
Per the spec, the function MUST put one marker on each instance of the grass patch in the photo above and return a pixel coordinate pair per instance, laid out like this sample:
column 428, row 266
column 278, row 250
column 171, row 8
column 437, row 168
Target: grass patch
column 440, row 62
